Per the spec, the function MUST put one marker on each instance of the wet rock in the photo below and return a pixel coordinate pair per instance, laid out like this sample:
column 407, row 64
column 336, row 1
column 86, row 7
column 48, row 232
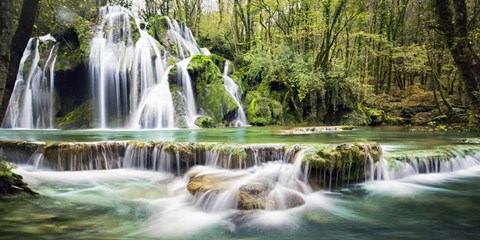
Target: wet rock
column 203, row 184
column 292, row 200
column 11, row 183
column 252, row 196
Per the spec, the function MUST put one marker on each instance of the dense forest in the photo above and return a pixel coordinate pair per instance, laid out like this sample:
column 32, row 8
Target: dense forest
column 303, row 62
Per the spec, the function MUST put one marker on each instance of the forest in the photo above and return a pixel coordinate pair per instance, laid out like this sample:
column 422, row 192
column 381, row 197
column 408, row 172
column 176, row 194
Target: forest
column 239, row 119
column 298, row 62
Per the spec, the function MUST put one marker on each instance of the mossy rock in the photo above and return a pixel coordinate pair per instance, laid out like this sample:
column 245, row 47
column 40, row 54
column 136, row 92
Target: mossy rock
column 363, row 116
column 157, row 26
column 205, row 122
column 75, row 48
column 263, row 112
column 210, row 91
column 394, row 120
column 374, row 116
column 79, row 118
column 343, row 155
column 11, row 183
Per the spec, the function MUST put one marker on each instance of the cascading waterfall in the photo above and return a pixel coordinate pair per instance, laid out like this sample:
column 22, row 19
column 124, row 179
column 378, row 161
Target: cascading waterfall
column 236, row 92
column 184, row 80
column 33, row 99
column 186, row 44
column 454, row 159
column 129, row 77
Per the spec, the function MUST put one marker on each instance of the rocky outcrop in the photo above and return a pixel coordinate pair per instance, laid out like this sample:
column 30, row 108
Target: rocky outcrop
column 250, row 196
column 11, row 183
column 333, row 165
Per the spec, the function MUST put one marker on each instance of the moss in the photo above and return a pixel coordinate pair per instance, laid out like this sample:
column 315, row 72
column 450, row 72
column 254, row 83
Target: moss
column 79, row 118
column 11, row 183
column 394, row 120
column 157, row 26
column 342, row 156
column 374, row 116
column 264, row 111
column 363, row 115
column 76, row 39
column 210, row 91
column 347, row 127
column 205, row 122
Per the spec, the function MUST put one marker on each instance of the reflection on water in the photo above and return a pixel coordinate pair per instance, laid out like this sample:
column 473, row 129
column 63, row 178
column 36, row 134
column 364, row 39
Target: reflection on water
column 142, row 204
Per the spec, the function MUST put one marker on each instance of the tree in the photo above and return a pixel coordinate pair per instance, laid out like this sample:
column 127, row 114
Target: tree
column 18, row 43
column 453, row 20
column 6, row 25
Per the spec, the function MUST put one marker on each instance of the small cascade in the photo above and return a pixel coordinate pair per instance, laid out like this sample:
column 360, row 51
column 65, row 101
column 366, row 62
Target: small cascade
column 182, row 35
column 274, row 185
column 236, row 92
column 184, row 80
column 82, row 156
column 441, row 160
column 155, row 109
column 33, row 99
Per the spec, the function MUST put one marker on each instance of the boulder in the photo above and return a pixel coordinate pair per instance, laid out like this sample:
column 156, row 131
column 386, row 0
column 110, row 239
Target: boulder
column 11, row 183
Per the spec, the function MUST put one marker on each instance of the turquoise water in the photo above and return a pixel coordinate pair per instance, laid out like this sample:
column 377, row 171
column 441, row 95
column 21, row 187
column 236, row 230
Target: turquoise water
column 127, row 203
column 134, row 204
column 396, row 137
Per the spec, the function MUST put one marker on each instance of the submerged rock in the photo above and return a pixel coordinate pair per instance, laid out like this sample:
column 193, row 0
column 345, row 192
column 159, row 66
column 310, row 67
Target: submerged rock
column 11, row 183
column 253, row 196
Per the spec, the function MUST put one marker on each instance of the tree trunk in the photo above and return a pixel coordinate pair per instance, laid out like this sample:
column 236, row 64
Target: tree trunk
column 6, row 25
column 454, row 22
column 18, row 44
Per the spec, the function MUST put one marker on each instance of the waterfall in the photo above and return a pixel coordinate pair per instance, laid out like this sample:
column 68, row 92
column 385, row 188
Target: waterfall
column 403, row 165
column 184, row 80
column 131, row 78
column 185, row 42
column 128, row 73
column 33, row 99
column 236, row 92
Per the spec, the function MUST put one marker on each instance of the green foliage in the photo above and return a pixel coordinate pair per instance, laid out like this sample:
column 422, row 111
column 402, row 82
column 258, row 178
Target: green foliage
column 157, row 26
column 205, row 122
column 264, row 111
column 210, row 91
column 80, row 117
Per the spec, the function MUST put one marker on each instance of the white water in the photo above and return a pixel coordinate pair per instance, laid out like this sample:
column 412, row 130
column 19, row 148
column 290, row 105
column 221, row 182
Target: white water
column 130, row 79
column 390, row 169
column 33, row 99
column 184, row 80
column 236, row 92
column 173, row 211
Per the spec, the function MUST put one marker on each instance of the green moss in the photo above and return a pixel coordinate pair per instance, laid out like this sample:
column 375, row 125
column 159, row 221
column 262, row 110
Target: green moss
column 264, row 111
column 394, row 120
column 211, row 93
column 374, row 116
column 11, row 183
column 205, row 122
column 342, row 156
column 69, row 54
column 363, row 115
column 216, row 101
column 80, row 117
column 157, row 26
